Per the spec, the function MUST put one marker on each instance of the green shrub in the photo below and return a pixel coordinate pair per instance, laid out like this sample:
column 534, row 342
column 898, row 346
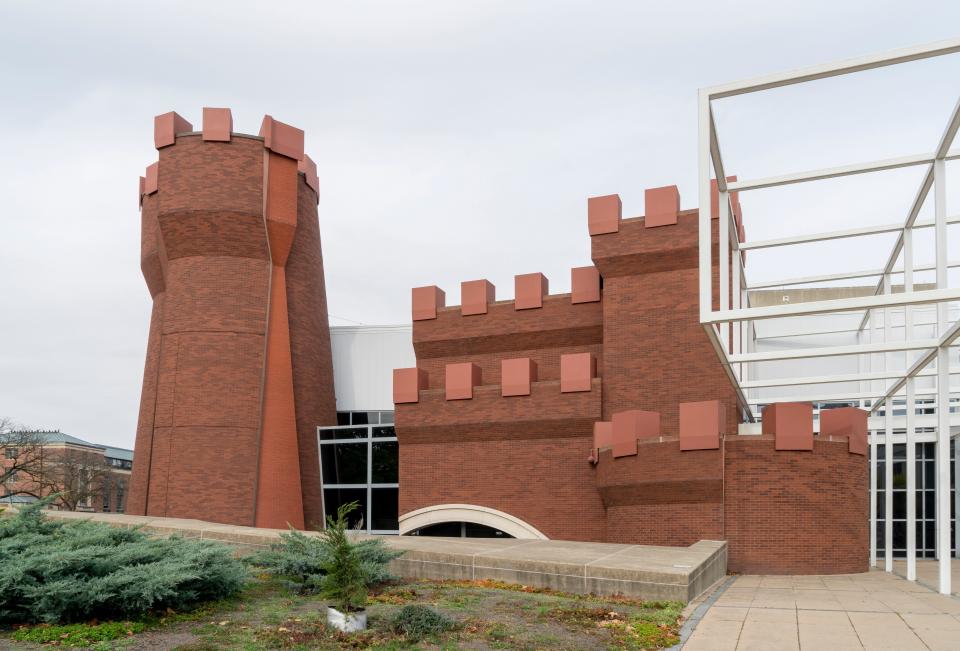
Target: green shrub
column 303, row 560
column 345, row 583
column 416, row 621
column 60, row 571
column 77, row 634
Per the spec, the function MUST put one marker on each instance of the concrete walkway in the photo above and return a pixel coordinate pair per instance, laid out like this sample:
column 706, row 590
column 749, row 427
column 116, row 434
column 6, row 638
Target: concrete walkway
column 928, row 572
column 869, row 611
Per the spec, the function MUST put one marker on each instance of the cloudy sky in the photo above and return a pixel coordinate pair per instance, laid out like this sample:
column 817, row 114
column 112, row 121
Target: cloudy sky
column 455, row 140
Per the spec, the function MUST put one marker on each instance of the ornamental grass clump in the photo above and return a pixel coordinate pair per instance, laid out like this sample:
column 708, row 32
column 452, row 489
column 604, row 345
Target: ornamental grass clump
column 305, row 561
column 58, row 571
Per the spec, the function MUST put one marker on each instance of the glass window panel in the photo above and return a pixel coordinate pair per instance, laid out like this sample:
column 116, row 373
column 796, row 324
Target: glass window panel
column 929, row 534
column 900, row 535
column 930, row 474
column 899, row 505
column 899, row 449
column 333, row 498
column 384, row 509
column 386, row 430
column 483, row 531
column 929, row 505
column 344, row 463
column 385, row 462
column 446, row 529
column 343, row 418
column 881, row 475
column 344, row 433
column 386, row 417
column 881, row 545
column 365, row 418
column 899, row 474
column 881, row 505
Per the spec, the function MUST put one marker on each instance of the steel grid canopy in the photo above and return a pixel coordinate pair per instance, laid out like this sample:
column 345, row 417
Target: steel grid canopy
column 732, row 327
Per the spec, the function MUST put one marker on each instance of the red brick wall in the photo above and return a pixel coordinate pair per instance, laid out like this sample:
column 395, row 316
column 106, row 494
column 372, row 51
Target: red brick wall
column 662, row 496
column 655, row 352
column 310, row 347
column 524, row 455
column 795, row 512
column 207, row 262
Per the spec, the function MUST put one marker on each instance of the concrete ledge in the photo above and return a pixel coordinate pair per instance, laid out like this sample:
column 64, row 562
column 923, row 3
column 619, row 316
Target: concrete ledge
column 637, row 571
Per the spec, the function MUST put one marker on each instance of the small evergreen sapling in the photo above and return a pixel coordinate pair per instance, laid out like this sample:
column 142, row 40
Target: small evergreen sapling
column 346, row 583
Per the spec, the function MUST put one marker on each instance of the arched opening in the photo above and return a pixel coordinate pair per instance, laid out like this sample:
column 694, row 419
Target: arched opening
column 459, row 530
column 466, row 520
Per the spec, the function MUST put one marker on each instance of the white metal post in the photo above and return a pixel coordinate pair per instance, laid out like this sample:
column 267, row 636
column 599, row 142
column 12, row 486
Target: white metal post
column 724, row 253
column 887, row 445
column 703, row 167
column 943, row 384
column 911, row 410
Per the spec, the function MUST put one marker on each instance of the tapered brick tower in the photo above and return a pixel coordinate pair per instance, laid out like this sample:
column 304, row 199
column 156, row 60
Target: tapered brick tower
column 238, row 372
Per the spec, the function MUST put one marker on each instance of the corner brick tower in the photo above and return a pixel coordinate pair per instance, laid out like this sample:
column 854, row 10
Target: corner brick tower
column 238, row 373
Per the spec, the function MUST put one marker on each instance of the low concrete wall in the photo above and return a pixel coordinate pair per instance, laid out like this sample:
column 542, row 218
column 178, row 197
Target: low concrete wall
column 637, row 571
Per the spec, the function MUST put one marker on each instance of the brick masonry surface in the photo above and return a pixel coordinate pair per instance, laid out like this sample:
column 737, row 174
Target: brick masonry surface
column 203, row 440
column 783, row 512
column 795, row 512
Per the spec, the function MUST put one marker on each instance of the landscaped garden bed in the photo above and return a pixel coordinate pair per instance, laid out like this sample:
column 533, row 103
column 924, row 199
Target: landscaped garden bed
column 484, row 615
column 87, row 585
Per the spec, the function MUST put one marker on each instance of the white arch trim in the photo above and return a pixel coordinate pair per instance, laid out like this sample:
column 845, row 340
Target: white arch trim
column 469, row 513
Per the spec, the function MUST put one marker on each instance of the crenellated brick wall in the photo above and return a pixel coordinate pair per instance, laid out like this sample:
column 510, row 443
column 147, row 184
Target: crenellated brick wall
column 238, row 371
column 648, row 455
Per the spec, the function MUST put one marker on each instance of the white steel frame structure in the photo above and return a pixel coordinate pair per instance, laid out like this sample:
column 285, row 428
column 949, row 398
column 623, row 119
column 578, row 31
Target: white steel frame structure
column 924, row 357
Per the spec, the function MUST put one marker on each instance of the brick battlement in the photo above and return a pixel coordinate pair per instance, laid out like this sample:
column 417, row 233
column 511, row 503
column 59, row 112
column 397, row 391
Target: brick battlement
column 545, row 413
column 282, row 139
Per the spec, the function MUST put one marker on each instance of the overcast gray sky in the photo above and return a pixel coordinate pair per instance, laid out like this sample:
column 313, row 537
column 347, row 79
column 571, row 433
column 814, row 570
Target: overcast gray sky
column 454, row 140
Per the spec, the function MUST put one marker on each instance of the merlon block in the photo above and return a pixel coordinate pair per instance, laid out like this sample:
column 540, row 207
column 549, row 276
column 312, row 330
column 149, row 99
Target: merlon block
column 475, row 296
column 217, row 124
column 166, row 127
column 152, row 179
column 529, row 290
column 460, row 380
column 577, row 371
column 602, row 438
column 584, row 284
column 407, row 384
column 516, row 376
column 282, row 138
column 791, row 422
column 629, row 426
column 847, row 422
column 701, row 425
column 604, row 214
column 662, row 205
column 426, row 301
column 309, row 169
column 715, row 198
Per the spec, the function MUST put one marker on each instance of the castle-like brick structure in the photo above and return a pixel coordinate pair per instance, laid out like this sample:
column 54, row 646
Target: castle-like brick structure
column 238, row 372
column 599, row 415
column 605, row 414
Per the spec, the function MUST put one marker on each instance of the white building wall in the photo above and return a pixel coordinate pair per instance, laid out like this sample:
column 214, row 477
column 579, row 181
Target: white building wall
column 363, row 361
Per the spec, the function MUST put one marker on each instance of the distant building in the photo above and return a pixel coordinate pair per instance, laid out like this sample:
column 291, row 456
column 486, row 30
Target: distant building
column 96, row 476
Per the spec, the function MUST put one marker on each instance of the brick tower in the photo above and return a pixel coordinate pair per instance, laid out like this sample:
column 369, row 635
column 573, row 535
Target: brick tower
column 238, row 372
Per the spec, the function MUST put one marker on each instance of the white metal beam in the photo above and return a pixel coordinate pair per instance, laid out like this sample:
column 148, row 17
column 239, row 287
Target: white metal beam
column 833, row 379
column 836, row 172
column 834, row 69
column 838, row 235
column 834, row 351
column 836, row 305
column 849, row 275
